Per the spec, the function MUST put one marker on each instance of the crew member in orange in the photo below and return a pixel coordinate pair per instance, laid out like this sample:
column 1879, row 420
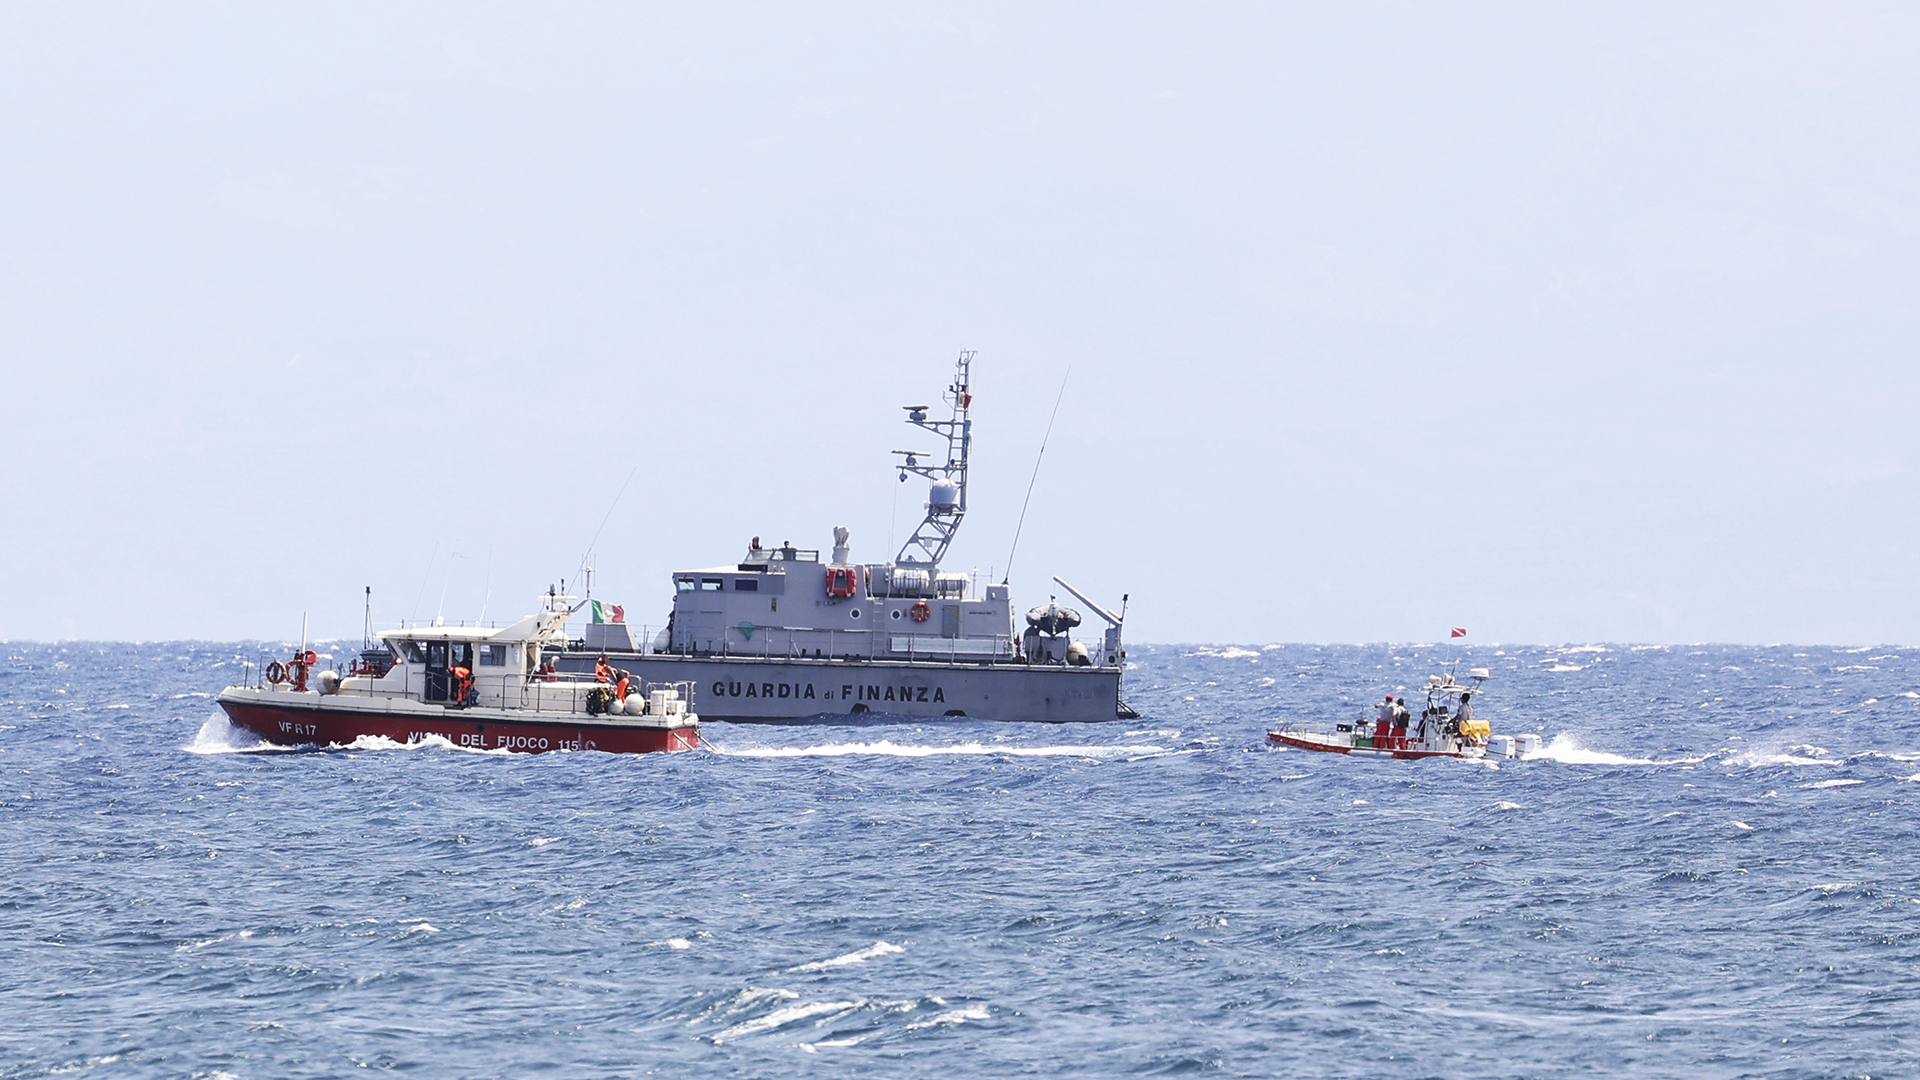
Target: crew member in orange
column 462, row 683
column 1400, row 718
column 601, row 672
column 620, row 688
column 1383, row 724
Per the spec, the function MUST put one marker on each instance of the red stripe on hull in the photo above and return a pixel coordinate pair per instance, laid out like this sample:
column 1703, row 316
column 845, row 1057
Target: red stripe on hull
column 284, row 726
column 1284, row 739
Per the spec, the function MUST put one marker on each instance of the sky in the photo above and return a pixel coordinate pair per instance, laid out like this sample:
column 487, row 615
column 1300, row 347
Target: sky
column 1556, row 322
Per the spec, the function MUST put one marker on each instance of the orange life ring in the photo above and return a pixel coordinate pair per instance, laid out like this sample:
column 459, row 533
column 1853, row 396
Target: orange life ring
column 920, row 612
column 309, row 658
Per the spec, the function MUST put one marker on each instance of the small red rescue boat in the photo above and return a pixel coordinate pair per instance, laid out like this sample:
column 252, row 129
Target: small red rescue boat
column 1446, row 727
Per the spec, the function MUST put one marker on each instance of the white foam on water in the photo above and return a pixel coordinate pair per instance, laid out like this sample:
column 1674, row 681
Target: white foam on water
column 1915, row 778
column 204, row 942
column 859, row 956
column 1833, row 784
column 1505, row 805
column 1741, row 825
column 780, row 1018
column 887, row 748
column 952, row 1017
column 1587, row 648
column 1787, row 757
column 814, row 1047
column 1231, row 652
column 1568, row 667
column 754, row 995
column 542, row 841
column 673, row 943
column 422, row 927
column 217, row 735
column 430, row 742
column 1567, row 750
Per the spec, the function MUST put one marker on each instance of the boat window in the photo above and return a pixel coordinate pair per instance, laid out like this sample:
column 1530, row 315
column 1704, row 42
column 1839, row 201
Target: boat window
column 685, row 584
column 745, row 585
column 493, row 655
column 710, row 584
column 414, row 655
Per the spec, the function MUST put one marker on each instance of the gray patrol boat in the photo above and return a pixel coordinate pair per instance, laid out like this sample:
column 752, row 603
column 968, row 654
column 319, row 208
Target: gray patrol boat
column 782, row 635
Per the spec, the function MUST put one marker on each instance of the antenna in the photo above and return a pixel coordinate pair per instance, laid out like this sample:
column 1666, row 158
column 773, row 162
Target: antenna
column 366, row 632
column 947, row 501
column 439, row 613
column 1036, row 474
column 424, row 578
column 488, row 599
column 588, row 554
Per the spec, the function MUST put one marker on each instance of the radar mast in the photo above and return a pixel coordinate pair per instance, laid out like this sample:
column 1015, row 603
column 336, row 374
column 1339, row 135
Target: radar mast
column 947, row 492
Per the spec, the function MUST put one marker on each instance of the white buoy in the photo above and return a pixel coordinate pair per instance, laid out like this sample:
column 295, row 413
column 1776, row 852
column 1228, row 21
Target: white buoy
column 636, row 704
column 615, row 706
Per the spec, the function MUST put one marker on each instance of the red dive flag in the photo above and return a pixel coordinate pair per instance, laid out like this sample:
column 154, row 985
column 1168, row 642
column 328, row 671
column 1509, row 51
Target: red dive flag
column 1459, row 631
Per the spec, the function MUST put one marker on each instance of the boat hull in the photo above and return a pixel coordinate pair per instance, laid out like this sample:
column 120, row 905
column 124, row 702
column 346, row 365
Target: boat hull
column 311, row 722
column 1343, row 744
column 746, row 690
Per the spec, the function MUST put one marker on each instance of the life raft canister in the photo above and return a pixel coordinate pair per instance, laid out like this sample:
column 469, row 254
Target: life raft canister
column 842, row 581
column 920, row 612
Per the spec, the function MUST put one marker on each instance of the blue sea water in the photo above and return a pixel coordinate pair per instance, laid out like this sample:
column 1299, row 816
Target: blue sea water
column 1710, row 872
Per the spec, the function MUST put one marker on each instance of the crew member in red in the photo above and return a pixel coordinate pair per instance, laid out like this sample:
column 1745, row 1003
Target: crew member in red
column 620, row 688
column 462, row 683
column 601, row 672
column 1400, row 718
column 1383, row 725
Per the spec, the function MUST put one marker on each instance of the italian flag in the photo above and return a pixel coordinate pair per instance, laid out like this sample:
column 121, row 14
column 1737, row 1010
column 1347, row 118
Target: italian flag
column 608, row 613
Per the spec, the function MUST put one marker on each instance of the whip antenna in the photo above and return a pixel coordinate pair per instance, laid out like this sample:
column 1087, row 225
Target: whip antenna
column 588, row 554
column 1036, row 474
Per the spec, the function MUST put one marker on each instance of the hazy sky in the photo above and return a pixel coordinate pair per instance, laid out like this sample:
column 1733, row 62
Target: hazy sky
column 1558, row 323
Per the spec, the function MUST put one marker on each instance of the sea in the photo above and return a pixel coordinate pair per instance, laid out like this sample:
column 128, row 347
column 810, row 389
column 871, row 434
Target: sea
column 1711, row 869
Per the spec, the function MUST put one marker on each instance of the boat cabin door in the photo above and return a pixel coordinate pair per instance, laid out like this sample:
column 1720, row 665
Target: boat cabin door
column 438, row 681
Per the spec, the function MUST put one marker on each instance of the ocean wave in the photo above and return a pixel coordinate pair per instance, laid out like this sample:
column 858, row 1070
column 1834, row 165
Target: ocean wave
column 1760, row 758
column 858, row 956
column 1568, row 750
column 952, row 1018
column 888, row 748
column 781, row 1017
